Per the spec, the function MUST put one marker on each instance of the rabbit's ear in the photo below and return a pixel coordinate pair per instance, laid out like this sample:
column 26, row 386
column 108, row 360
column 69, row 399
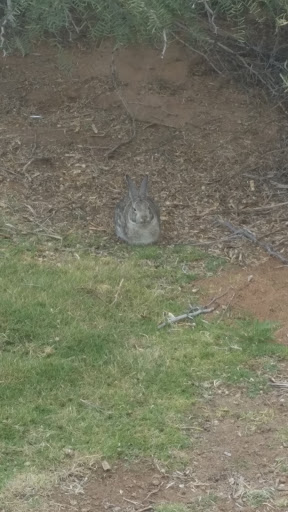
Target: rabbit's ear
column 133, row 193
column 143, row 187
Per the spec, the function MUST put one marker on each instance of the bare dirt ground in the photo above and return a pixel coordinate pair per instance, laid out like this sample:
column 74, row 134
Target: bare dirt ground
column 212, row 150
column 259, row 290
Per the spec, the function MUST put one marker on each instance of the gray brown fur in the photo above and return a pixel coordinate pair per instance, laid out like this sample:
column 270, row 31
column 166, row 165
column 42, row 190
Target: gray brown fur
column 137, row 216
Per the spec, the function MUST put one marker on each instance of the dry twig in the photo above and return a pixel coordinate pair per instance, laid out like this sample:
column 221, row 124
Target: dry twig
column 26, row 167
column 164, row 44
column 118, row 291
column 274, row 383
column 265, row 207
column 130, row 501
column 226, row 307
column 197, row 51
column 94, row 406
column 238, row 57
column 250, row 236
column 193, row 312
column 153, row 492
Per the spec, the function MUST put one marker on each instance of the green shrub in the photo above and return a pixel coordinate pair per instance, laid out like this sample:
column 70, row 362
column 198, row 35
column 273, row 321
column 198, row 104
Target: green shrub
column 252, row 42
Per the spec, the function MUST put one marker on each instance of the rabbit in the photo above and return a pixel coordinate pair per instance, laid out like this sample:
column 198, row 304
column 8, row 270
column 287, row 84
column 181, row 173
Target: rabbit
column 137, row 217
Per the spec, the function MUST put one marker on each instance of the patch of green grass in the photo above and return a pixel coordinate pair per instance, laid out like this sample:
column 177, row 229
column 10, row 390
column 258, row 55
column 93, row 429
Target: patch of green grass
column 84, row 366
column 283, row 435
column 213, row 263
column 187, row 253
column 282, row 465
column 172, row 507
column 203, row 503
column 176, row 253
column 258, row 497
column 150, row 252
column 206, row 501
column 184, row 263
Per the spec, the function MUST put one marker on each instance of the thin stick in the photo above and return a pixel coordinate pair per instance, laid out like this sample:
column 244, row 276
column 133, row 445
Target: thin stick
column 173, row 319
column 153, row 492
column 218, row 297
column 279, row 384
column 211, row 17
column 267, row 207
column 273, row 382
column 250, row 236
column 197, row 51
column 250, row 68
column 226, row 308
column 193, row 312
column 27, row 165
column 130, row 501
column 94, row 406
column 117, row 293
column 164, row 44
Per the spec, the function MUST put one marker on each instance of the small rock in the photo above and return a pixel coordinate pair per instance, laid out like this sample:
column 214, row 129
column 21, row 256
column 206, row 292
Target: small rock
column 156, row 481
column 105, row 465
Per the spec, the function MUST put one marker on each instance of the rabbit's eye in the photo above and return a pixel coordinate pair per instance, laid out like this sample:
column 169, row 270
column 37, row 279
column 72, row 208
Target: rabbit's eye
column 134, row 209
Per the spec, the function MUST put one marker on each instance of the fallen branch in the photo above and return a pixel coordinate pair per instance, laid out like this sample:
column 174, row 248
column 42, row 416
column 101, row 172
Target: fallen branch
column 250, row 236
column 193, row 312
column 171, row 319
